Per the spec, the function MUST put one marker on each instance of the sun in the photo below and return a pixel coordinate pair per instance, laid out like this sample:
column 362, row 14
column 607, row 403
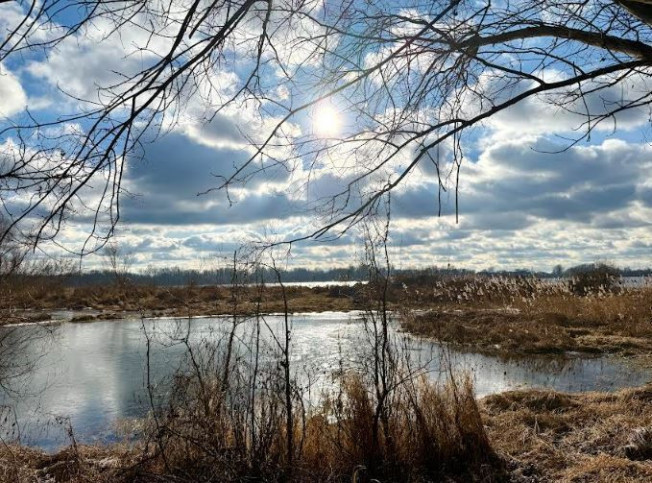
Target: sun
column 326, row 121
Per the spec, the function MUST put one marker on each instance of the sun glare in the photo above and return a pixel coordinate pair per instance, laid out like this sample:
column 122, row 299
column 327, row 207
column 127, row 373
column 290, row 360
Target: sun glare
column 326, row 121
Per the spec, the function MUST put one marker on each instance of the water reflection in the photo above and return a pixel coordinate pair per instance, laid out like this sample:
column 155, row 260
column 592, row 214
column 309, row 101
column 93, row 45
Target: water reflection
column 95, row 374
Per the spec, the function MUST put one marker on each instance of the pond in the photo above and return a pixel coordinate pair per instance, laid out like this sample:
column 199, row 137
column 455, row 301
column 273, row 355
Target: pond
column 88, row 376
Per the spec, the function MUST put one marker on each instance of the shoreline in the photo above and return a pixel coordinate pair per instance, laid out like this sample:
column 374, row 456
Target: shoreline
column 83, row 318
column 547, row 324
column 540, row 436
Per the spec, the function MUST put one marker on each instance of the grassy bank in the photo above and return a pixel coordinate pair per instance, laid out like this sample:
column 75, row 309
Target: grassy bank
column 590, row 437
column 525, row 436
column 524, row 317
column 499, row 316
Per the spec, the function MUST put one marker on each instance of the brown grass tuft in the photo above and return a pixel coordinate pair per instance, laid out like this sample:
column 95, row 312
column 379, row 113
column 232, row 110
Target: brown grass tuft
column 570, row 437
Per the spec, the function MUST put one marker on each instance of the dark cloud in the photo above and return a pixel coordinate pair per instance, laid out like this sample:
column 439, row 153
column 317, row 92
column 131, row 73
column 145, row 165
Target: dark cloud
column 160, row 209
column 211, row 244
column 155, row 244
column 178, row 165
column 515, row 186
column 645, row 195
column 175, row 170
column 419, row 202
column 221, row 128
column 500, row 221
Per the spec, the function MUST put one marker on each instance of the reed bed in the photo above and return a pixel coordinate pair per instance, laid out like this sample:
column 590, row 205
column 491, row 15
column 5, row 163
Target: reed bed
column 515, row 317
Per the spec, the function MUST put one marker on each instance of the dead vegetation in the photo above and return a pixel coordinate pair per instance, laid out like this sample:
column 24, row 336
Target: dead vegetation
column 513, row 317
column 442, row 435
column 117, row 463
column 434, row 434
column 590, row 437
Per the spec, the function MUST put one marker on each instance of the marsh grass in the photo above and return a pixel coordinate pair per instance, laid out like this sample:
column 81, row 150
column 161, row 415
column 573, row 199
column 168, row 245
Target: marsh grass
column 226, row 414
column 434, row 433
column 384, row 421
column 534, row 436
column 237, row 412
column 572, row 437
column 239, row 409
column 508, row 316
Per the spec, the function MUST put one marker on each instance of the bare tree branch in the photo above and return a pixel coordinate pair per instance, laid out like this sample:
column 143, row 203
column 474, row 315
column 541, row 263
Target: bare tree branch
column 411, row 77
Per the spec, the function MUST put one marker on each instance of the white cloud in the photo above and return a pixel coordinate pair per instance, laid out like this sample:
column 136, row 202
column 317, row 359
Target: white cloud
column 12, row 96
column 98, row 58
column 561, row 111
column 519, row 206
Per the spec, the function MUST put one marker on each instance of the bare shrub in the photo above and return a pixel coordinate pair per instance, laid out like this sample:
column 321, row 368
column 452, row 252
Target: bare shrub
column 596, row 278
column 240, row 410
column 431, row 432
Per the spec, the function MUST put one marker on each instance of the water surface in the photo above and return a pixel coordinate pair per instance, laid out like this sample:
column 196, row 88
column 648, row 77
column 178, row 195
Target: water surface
column 88, row 376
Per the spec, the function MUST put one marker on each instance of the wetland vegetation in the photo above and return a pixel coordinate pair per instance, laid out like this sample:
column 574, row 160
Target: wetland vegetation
column 231, row 412
column 296, row 132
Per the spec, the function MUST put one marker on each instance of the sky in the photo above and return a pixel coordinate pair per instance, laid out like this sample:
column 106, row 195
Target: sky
column 527, row 199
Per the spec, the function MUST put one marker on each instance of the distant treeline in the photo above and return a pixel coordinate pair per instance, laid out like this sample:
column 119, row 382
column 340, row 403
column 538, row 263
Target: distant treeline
column 177, row 276
column 222, row 276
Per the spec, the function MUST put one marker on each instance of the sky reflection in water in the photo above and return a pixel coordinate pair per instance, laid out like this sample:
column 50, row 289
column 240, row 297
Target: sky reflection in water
column 94, row 374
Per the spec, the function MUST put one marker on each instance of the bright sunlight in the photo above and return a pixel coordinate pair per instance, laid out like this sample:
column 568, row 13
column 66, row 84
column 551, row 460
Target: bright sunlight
column 326, row 120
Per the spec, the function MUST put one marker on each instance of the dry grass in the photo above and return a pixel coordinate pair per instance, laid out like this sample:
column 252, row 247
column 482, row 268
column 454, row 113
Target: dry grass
column 112, row 301
column 87, row 464
column 538, row 436
column 434, row 434
column 511, row 317
column 570, row 437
